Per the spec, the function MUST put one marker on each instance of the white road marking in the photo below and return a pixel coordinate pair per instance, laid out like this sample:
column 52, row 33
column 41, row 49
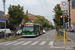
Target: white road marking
column 10, row 43
column 51, row 43
column 18, row 43
column 42, row 43
column 4, row 42
column 27, row 43
column 35, row 43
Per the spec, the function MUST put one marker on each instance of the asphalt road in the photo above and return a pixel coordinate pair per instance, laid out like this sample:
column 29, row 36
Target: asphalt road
column 42, row 42
column 71, row 35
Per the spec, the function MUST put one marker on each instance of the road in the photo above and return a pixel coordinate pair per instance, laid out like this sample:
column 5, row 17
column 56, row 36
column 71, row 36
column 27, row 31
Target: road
column 42, row 42
column 71, row 35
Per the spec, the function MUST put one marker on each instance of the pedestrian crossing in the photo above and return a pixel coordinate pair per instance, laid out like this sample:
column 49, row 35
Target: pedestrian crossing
column 27, row 43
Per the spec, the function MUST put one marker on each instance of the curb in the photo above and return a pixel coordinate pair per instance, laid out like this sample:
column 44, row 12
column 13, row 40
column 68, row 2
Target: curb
column 9, row 40
column 53, row 41
column 68, row 38
column 71, row 40
column 54, row 38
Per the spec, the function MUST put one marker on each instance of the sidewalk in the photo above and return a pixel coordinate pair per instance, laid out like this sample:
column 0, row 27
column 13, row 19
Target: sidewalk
column 61, row 43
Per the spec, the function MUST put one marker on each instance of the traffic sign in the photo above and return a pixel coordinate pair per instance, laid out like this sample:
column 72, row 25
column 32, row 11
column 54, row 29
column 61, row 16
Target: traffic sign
column 64, row 26
column 63, row 5
column 63, row 15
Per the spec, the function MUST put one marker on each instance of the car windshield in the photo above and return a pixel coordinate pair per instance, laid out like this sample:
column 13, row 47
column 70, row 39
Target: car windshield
column 28, row 28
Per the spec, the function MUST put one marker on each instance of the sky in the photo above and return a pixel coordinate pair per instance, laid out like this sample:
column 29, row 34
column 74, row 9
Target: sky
column 36, row 7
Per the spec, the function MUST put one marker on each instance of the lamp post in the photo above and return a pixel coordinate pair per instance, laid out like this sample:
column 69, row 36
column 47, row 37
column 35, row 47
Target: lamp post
column 4, row 14
column 69, row 14
column 4, row 5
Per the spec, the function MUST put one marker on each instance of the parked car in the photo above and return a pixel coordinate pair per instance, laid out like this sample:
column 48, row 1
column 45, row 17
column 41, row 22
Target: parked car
column 71, row 30
column 68, row 30
column 19, row 32
column 44, row 31
column 8, row 32
column 1, row 34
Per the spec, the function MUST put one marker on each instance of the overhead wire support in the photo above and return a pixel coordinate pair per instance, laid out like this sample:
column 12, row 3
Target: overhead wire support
column 46, row 6
column 42, row 7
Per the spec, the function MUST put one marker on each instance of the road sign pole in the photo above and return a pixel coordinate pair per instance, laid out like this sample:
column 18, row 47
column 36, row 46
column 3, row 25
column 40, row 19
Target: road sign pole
column 64, row 30
column 5, row 29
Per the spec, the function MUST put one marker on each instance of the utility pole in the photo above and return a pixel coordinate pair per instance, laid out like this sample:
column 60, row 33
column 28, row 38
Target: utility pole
column 69, row 14
column 4, row 14
column 4, row 5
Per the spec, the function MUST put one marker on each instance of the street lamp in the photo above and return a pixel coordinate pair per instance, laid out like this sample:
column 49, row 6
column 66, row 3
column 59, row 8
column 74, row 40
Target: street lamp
column 4, row 5
column 4, row 14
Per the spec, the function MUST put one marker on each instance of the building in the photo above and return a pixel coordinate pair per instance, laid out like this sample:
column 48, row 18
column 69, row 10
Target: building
column 50, row 22
column 31, row 16
column 72, row 12
column 2, row 21
column 1, row 13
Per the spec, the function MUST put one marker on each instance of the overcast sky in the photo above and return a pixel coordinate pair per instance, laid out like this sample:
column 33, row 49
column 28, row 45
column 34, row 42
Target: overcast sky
column 36, row 7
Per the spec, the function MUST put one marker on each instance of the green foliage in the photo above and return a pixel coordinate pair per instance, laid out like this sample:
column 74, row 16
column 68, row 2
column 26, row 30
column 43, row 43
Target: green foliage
column 58, row 12
column 52, row 27
column 15, row 14
column 41, row 20
column 25, row 18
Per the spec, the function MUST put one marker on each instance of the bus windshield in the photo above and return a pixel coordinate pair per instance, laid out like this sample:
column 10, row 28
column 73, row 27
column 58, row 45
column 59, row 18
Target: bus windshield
column 28, row 28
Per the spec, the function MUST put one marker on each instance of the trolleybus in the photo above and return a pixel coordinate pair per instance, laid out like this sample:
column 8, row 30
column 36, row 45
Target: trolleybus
column 32, row 29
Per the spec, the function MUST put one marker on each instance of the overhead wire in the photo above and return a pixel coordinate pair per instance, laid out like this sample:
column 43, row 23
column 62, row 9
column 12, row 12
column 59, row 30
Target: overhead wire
column 46, row 6
column 29, row 9
column 42, row 7
column 24, row 6
column 15, row 2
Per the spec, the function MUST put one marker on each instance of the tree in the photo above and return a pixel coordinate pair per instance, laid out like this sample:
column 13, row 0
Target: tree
column 58, row 12
column 25, row 18
column 41, row 20
column 15, row 15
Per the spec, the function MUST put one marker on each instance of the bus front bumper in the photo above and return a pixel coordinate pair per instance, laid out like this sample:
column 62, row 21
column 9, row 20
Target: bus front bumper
column 28, row 35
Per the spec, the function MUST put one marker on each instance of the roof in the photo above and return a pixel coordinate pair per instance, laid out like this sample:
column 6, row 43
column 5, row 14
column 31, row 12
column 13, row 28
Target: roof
column 3, row 17
column 7, row 15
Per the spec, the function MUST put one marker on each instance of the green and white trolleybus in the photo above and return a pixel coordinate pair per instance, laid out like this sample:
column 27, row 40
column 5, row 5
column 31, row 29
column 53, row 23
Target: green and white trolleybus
column 32, row 29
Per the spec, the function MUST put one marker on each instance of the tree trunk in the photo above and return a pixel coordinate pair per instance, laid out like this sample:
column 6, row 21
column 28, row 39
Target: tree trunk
column 15, row 30
column 57, row 29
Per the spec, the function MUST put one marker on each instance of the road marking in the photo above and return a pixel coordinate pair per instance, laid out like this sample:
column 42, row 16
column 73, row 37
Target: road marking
column 40, row 39
column 10, row 43
column 27, row 43
column 42, row 43
column 4, row 42
column 19, row 43
column 51, row 43
column 44, row 39
column 35, row 43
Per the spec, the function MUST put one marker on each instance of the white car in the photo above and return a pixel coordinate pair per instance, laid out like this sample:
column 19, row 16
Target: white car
column 19, row 32
column 68, row 30
column 44, row 31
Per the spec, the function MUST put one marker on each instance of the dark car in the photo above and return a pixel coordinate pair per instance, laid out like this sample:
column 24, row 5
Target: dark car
column 71, row 30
